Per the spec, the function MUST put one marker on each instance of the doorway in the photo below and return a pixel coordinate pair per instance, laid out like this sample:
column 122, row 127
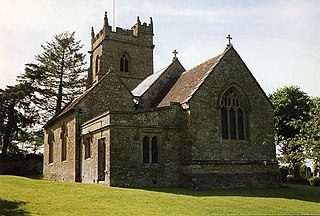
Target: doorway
column 101, row 159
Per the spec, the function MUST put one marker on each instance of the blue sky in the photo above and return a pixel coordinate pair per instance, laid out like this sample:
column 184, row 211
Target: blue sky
column 278, row 40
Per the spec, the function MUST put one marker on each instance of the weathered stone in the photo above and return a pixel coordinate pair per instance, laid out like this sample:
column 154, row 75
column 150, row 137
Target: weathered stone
column 139, row 129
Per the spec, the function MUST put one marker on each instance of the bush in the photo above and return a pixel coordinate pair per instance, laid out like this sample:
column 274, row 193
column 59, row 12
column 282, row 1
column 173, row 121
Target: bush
column 315, row 181
column 290, row 179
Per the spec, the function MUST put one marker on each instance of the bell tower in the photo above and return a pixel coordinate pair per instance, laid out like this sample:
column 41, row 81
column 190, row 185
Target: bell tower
column 129, row 52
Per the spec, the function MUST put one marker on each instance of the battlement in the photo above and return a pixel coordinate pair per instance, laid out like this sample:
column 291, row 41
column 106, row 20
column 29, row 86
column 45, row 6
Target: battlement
column 143, row 30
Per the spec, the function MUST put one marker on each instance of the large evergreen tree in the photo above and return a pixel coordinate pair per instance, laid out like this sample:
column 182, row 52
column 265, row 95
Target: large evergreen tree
column 16, row 116
column 58, row 74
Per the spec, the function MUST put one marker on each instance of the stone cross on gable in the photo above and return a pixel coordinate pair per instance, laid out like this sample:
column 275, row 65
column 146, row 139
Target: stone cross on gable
column 229, row 40
column 174, row 55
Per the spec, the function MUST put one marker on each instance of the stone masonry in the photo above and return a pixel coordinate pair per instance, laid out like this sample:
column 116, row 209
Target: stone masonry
column 207, row 127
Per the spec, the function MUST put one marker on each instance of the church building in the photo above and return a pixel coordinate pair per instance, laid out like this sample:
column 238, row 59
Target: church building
column 210, row 126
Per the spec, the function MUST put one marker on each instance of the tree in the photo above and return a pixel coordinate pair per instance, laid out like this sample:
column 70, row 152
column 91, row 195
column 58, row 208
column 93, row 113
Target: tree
column 311, row 131
column 58, row 74
column 292, row 107
column 15, row 114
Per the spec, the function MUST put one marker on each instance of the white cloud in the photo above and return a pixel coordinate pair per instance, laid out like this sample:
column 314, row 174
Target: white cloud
column 276, row 38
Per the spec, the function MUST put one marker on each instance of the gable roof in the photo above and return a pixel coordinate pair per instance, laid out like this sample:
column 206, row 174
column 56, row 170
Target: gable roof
column 69, row 107
column 147, row 83
column 190, row 81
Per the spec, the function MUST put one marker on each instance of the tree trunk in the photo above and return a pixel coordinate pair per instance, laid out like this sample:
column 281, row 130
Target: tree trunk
column 59, row 96
column 8, row 130
column 296, row 172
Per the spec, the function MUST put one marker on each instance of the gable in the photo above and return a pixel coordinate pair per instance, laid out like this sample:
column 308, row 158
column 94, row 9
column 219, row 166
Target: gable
column 109, row 93
column 152, row 90
column 189, row 82
column 192, row 80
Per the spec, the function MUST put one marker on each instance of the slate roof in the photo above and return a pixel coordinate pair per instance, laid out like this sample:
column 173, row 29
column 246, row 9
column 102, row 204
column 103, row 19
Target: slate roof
column 147, row 83
column 190, row 81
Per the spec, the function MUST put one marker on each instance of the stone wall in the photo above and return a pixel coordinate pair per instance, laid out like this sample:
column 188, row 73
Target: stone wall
column 124, row 132
column 109, row 94
column 110, row 45
column 59, row 169
column 204, row 129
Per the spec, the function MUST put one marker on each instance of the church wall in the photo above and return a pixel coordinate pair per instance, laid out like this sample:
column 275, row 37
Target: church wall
column 96, row 130
column 140, row 59
column 100, row 67
column 204, row 131
column 61, row 170
column 109, row 94
column 127, row 132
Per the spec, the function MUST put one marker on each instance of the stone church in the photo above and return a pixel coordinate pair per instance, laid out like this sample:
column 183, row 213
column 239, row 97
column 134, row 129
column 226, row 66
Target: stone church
column 207, row 127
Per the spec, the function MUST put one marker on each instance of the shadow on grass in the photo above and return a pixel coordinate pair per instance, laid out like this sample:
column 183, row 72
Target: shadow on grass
column 288, row 191
column 12, row 208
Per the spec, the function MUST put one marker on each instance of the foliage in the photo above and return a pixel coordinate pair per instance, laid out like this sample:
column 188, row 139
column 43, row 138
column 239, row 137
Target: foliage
column 16, row 116
column 311, row 132
column 292, row 107
column 58, row 74
column 58, row 198
column 315, row 181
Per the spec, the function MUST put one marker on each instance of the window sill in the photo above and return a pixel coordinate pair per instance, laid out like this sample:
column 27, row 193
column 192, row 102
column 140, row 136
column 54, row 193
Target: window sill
column 235, row 141
column 150, row 165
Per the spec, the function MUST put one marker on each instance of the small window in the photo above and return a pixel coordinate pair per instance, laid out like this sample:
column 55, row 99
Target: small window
column 146, row 149
column 97, row 64
column 64, row 140
column 150, row 149
column 87, row 148
column 124, row 63
column 154, row 149
column 50, row 143
column 232, row 116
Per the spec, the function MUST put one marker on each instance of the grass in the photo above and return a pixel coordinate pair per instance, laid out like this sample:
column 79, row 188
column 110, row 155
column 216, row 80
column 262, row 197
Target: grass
column 25, row 196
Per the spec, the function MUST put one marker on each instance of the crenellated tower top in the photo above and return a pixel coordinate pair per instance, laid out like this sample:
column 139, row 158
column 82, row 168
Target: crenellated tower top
column 129, row 52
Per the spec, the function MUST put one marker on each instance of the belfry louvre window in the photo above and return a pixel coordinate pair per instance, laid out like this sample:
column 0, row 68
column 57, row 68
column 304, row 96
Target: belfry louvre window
column 150, row 149
column 124, row 63
column 97, row 64
column 232, row 116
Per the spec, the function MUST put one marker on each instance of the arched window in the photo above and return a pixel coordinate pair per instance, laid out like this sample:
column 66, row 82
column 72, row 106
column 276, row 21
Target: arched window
column 154, row 149
column 124, row 63
column 50, row 143
column 150, row 149
column 97, row 64
column 145, row 148
column 232, row 116
column 64, row 140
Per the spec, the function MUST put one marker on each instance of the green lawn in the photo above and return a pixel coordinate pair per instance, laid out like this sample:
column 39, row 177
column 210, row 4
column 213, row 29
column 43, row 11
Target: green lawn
column 24, row 196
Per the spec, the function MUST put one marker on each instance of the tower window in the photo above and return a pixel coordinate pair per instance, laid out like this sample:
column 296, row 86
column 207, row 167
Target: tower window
column 124, row 63
column 232, row 116
column 97, row 64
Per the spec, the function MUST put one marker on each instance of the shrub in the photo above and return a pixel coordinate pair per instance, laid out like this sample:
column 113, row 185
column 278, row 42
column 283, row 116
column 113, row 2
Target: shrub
column 290, row 178
column 315, row 181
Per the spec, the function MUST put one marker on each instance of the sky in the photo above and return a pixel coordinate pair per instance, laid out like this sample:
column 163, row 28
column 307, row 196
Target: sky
column 278, row 40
